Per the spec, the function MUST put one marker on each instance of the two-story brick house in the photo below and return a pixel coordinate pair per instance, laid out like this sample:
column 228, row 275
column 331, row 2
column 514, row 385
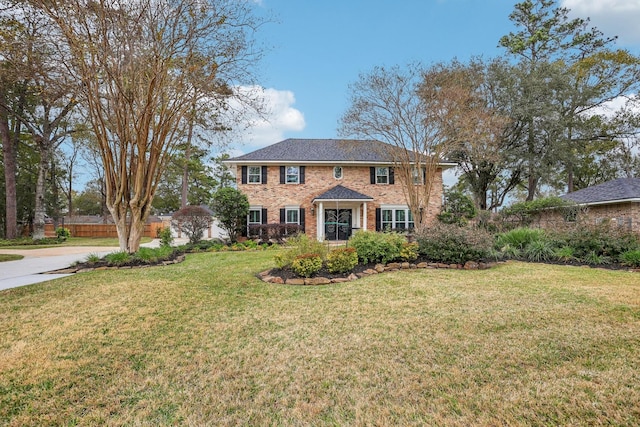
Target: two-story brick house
column 330, row 187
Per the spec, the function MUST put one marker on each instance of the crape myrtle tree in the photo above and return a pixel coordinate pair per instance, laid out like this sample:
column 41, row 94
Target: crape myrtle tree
column 385, row 105
column 141, row 65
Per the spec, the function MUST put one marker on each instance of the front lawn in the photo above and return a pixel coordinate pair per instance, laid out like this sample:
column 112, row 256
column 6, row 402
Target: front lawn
column 205, row 342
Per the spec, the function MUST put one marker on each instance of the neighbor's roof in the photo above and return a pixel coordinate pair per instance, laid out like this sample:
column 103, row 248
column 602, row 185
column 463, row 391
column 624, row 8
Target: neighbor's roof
column 342, row 193
column 616, row 191
column 321, row 151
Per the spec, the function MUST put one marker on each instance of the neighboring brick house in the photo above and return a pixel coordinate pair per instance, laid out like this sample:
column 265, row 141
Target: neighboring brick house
column 330, row 187
column 617, row 201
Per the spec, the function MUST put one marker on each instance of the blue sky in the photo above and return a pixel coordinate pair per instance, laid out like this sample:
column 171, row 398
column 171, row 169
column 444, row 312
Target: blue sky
column 317, row 48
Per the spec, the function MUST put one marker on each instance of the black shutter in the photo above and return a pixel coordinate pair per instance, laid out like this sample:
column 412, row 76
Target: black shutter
column 283, row 216
column 424, row 176
column 282, row 172
column 301, row 174
column 301, row 214
column 264, row 215
column 244, row 174
column 264, row 174
column 378, row 219
column 372, row 173
column 391, row 176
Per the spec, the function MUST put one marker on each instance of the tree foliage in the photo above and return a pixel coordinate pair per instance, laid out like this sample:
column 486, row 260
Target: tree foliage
column 192, row 221
column 231, row 207
column 142, row 65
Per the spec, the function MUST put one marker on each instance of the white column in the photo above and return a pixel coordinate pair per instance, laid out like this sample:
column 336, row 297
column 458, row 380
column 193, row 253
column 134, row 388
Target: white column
column 364, row 216
column 319, row 222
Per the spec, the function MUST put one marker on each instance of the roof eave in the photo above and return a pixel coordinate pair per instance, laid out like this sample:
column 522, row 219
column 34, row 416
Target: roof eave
column 608, row 202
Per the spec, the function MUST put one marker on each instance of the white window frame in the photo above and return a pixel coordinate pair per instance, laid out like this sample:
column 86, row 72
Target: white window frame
column 394, row 223
column 292, row 210
column 338, row 175
column 292, row 177
column 251, row 177
column 382, row 178
column 254, row 209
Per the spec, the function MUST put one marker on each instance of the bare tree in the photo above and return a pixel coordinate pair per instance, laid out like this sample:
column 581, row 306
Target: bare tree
column 386, row 106
column 141, row 64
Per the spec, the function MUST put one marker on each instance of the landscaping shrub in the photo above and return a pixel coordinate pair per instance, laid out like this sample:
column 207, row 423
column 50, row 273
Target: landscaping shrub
column 409, row 251
column 539, row 250
column 62, row 233
column 631, row 258
column 591, row 242
column 165, row 236
column 448, row 243
column 342, row 260
column 373, row 246
column 299, row 245
column 153, row 255
column 565, row 254
column 118, row 258
column 519, row 238
column 306, row 265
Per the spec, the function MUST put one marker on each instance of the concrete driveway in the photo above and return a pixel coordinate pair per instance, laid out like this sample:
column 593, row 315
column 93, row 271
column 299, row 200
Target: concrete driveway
column 30, row 269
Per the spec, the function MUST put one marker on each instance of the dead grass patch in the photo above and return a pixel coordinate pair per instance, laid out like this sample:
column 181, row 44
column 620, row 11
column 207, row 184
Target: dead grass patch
column 205, row 342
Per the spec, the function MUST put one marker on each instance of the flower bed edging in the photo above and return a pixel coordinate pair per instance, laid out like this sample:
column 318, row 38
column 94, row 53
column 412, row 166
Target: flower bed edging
column 268, row 277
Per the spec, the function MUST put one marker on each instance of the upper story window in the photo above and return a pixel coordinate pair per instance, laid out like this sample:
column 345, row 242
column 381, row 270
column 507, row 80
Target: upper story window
column 293, row 175
column 337, row 172
column 418, row 176
column 254, row 174
column 382, row 175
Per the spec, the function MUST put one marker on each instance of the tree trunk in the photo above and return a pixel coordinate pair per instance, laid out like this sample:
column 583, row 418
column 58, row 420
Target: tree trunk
column 185, row 170
column 9, row 155
column 40, row 207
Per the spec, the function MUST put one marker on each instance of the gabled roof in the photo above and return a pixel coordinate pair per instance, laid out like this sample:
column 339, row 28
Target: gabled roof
column 341, row 193
column 616, row 191
column 330, row 151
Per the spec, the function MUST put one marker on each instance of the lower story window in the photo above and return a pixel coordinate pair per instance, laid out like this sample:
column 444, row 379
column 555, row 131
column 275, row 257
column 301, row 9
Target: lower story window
column 255, row 216
column 292, row 216
column 397, row 218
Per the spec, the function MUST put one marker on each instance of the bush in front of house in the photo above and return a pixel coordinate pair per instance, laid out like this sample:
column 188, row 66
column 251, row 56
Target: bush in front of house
column 299, row 245
column 373, row 247
column 306, row 265
column 62, row 233
column 631, row 258
column 342, row 260
column 603, row 241
column 452, row 244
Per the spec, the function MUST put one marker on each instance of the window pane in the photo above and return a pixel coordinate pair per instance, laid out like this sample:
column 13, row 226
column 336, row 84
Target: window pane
column 255, row 216
column 292, row 216
column 400, row 215
column 337, row 172
column 382, row 175
column 387, row 215
column 292, row 174
column 255, row 174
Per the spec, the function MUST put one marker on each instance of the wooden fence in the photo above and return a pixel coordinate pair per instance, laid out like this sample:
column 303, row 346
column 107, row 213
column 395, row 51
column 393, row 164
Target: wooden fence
column 100, row 230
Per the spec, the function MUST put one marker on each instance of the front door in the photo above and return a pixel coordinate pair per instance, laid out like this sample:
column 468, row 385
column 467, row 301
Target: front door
column 337, row 224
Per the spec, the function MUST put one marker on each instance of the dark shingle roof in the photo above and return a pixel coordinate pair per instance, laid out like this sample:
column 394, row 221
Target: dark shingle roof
column 321, row 150
column 610, row 191
column 342, row 193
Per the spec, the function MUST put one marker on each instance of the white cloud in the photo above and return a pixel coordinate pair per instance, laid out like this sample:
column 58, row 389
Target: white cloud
column 612, row 17
column 279, row 117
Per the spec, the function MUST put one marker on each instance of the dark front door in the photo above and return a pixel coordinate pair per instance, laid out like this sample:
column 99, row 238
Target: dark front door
column 337, row 224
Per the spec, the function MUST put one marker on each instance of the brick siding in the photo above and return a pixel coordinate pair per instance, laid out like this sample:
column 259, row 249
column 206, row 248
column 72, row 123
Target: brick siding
column 318, row 179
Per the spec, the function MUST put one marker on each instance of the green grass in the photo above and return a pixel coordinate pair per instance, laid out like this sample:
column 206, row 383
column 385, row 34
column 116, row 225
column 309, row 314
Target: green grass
column 5, row 257
column 206, row 343
column 71, row 241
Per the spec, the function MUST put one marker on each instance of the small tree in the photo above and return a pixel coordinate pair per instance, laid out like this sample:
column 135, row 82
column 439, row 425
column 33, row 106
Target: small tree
column 192, row 221
column 458, row 208
column 231, row 208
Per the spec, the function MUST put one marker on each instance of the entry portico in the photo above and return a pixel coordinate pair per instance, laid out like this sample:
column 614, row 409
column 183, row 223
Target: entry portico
column 340, row 211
